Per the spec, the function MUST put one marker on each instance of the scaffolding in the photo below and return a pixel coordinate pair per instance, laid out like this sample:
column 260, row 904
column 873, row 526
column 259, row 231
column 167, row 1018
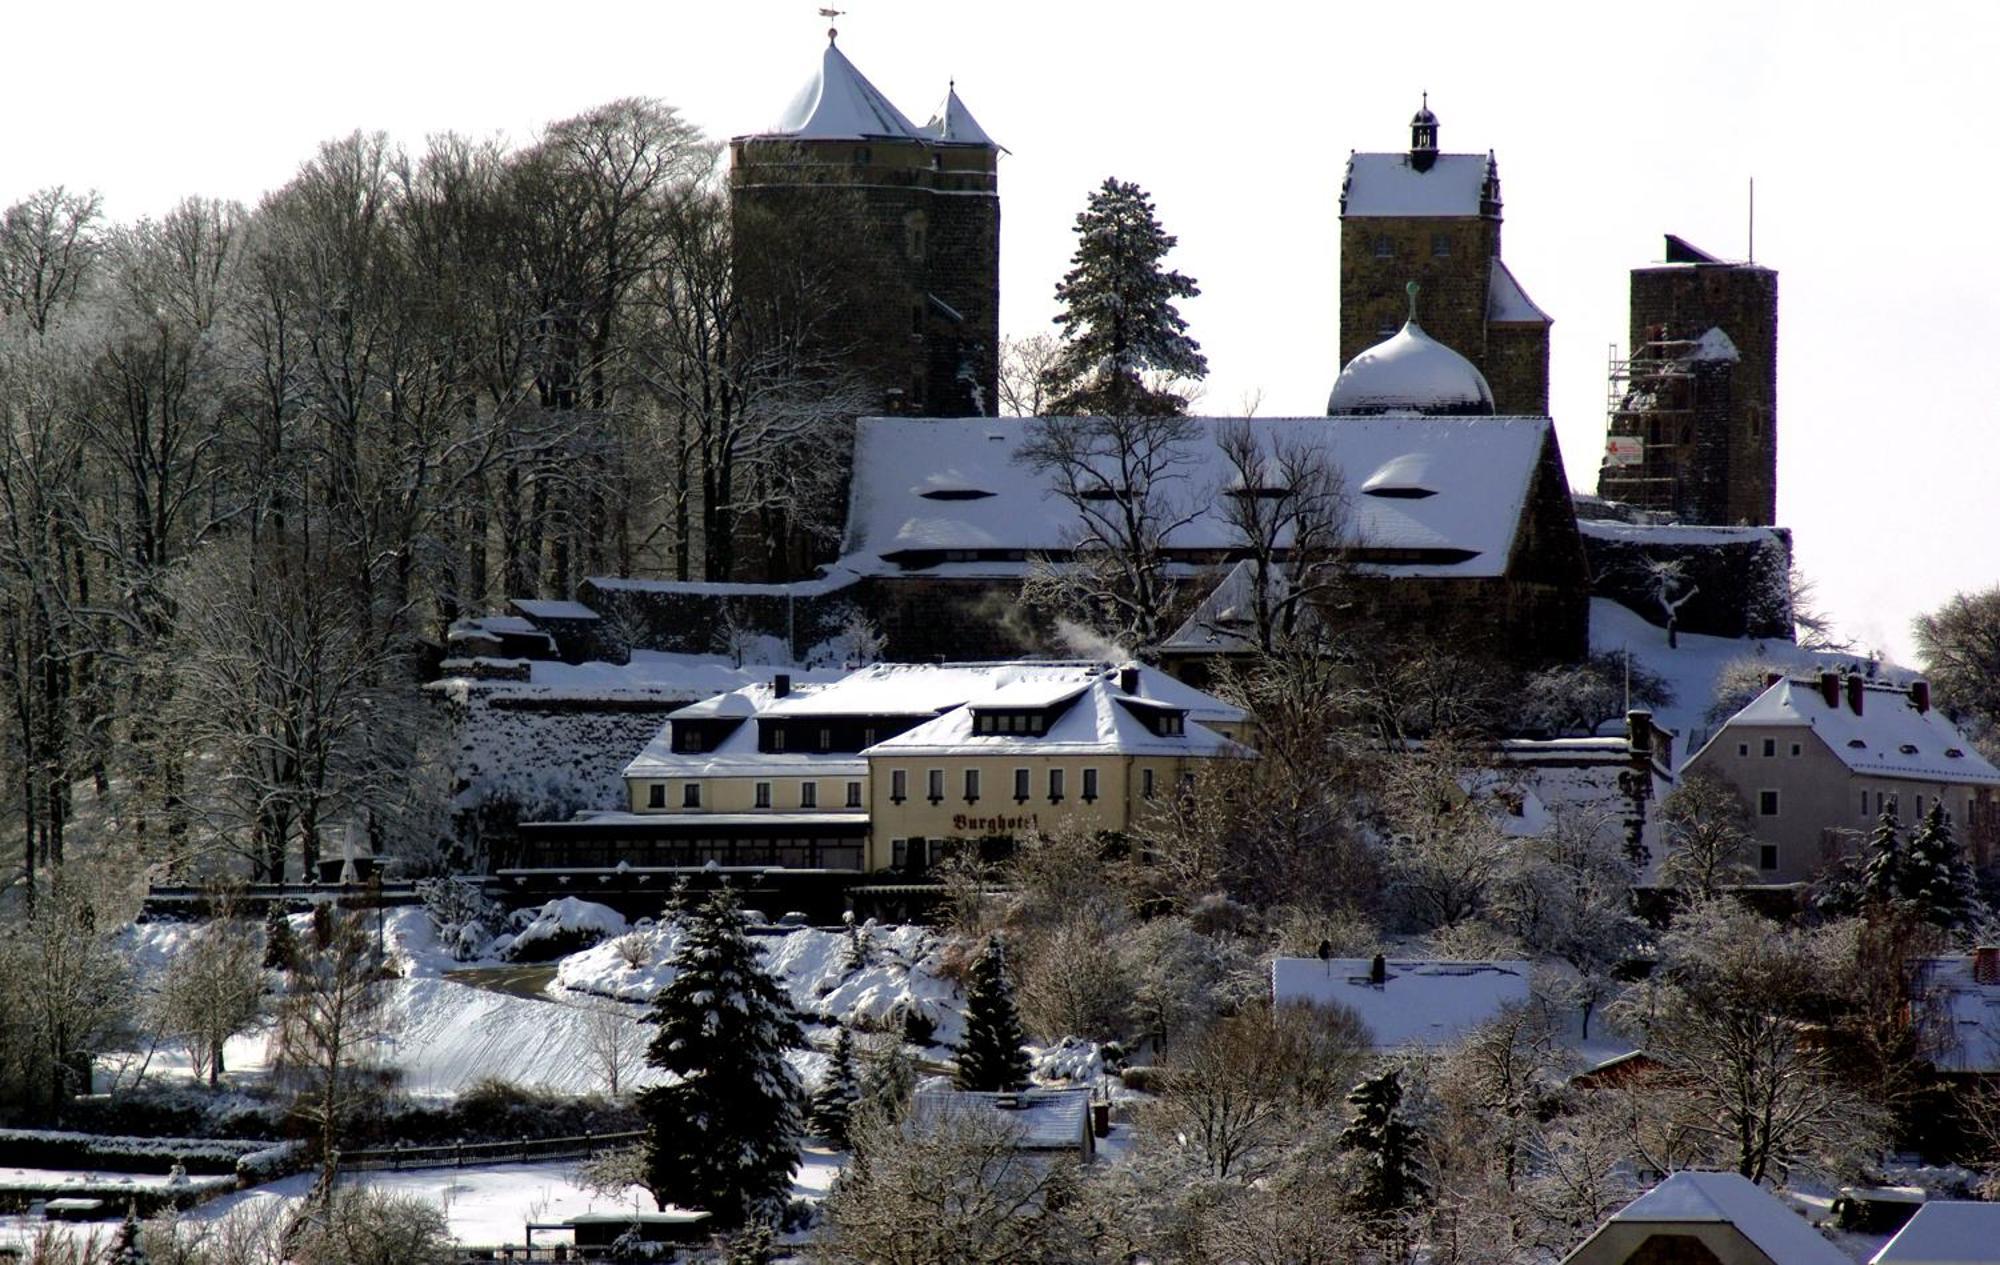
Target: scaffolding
column 1650, row 433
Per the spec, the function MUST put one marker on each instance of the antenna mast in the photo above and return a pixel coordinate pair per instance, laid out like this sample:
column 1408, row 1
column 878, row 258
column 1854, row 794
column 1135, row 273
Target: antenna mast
column 1753, row 219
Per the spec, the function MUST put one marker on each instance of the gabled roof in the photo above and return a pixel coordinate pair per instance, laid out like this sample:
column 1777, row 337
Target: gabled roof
column 1477, row 472
column 1094, row 722
column 839, row 103
column 1960, row 1024
column 1731, row 1199
column 1047, row 1119
column 1890, row 738
column 1507, row 302
column 1422, row 1003
column 1946, row 1232
column 1391, row 185
column 953, row 124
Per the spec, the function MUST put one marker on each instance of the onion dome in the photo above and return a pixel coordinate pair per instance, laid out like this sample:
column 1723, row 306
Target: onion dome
column 1411, row 372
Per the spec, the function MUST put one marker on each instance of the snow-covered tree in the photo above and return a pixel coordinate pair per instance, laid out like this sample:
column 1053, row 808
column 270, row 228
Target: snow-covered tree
column 125, row 1249
column 1882, row 870
column 1707, row 832
column 280, row 945
column 833, row 1103
column 1387, row 1142
column 1929, row 872
column 1959, row 644
column 724, row 1136
column 1119, row 323
column 990, row 1056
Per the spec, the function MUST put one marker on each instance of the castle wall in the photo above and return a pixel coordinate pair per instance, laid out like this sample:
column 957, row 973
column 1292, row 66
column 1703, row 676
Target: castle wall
column 1741, row 574
column 1517, row 368
column 1452, row 303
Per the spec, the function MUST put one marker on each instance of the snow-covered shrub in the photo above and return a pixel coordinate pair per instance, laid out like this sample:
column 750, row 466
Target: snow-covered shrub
column 54, row 1149
column 560, row 928
column 465, row 918
column 268, row 1164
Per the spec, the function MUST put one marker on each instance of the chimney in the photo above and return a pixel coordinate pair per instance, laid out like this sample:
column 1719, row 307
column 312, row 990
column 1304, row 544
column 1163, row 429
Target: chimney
column 1986, row 965
column 1829, row 688
column 1378, row 972
column 1639, row 731
column 1128, row 679
column 1920, row 695
column 781, row 685
column 1772, row 678
column 1855, row 688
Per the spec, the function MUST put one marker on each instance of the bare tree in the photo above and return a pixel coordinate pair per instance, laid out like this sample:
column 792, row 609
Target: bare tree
column 328, row 1021
column 1128, row 480
column 212, row 989
column 615, row 1043
column 1024, row 368
column 64, row 989
column 1707, row 832
column 1287, row 507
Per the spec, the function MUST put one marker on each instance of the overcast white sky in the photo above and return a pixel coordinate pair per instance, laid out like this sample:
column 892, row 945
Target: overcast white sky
column 1870, row 130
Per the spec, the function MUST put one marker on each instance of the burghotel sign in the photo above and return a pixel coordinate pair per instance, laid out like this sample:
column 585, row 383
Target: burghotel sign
column 994, row 825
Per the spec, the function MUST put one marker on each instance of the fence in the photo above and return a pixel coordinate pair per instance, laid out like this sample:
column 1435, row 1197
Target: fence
column 459, row 1154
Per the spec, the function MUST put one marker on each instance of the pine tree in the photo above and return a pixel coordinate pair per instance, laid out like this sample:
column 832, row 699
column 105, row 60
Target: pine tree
column 1935, row 876
column 281, row 947
column 725, row 1136
column 834, row 1102
column 1882, row 868
column 1387, row 1140
column 1118, row 319
column 990, row 1056
column 125, row 1249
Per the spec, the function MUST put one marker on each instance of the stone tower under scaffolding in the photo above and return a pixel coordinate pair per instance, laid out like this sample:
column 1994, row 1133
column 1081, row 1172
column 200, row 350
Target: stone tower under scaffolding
column 1693, row 430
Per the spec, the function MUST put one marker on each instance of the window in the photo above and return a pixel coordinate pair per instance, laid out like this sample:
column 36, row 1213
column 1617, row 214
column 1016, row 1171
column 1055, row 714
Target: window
column 1187, row 786
column 656, row 795
column 808, row 794
column 1055, row 786
column 972, row 786
column 1864, row 803
column 1020, row 786
column 691, row 795
column 1770, row 747
column 1090, row 786
column 936, row 786
column 777, row 737
column 854, row 794
column 1767, row 803
column 1385, row 246
column 1145, row 783
column 1440, row 246
column 868, row 736
column 899, row 852
column 687, row 739
column 826, row 739
column 1797, row 751
column 763, row 794
column 1920, row 807
column 1742, row 748
column 899, row 785
column 1895, row 808
column 1767, row 856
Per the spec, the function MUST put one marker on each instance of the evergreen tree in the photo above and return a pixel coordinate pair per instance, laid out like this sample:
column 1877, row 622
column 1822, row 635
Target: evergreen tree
column 990, row 1056
column 834, row 1102
column 1882, row 866
column 1935, row 876
column 1118, row 319
column 725, row 1136
column 281, row 947
column 125, row 1249
column 1387, row 1141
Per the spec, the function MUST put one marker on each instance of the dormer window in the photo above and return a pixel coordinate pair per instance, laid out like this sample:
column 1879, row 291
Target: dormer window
column 1261, row 493
column 1106, row 493
column 954, row 494
column 1953, row 753
column 1857, row 744
column 1908, row 748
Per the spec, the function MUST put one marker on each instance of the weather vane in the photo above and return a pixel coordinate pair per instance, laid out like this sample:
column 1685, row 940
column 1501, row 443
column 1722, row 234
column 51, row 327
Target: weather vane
column 830, row 15
column 1411, row 290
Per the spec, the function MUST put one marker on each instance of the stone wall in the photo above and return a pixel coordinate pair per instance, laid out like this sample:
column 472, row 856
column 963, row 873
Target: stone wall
column 1517, row 368
column 1740, row 574
column 703, row 618
column 1452, row 303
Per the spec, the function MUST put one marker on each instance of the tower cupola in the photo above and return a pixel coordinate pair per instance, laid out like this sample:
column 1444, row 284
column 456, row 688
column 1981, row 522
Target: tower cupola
column 1411, row 372
column 1423, row 136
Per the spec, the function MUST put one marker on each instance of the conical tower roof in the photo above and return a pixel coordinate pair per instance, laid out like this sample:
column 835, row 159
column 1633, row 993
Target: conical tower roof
column 839, row 103
column 953, row 123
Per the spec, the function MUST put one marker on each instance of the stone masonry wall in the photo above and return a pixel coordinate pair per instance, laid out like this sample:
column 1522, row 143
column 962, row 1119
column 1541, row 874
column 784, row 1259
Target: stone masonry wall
column 1451, row 305
column 1741, row 575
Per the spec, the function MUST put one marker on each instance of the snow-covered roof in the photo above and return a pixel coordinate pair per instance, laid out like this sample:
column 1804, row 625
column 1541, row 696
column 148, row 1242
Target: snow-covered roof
column 1391, row 185
column 1410, row 372
column 1714, row 345
column 1048, row 1119
column 694, row 820
column 1946, row 1232
column 1889, row 738
column 916, row 690
column 1732, row 1199
column 1480, row 470
column 1677, row 533
column 1423, row 1003
column 838, row 103
column 1960, row 1017
column 540, row 608
column 1225, row 622
column 1506, row 301
column 1096, row 722
column 952, row 123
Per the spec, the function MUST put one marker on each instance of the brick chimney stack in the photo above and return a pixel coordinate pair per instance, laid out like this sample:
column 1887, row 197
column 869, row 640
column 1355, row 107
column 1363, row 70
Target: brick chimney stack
column 1986, row 965
column 1856, row 691
column 1920, row 696
column 1829, row 688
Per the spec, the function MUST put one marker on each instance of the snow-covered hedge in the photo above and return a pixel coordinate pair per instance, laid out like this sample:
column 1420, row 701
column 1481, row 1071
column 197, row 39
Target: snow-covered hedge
column 52, row 1149
column 16, row 1196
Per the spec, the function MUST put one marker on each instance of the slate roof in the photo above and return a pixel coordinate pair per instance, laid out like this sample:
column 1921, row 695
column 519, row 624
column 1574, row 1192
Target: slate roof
column 1380, row 185
column 1890, row 738
column 1732, row 1199
column 1946, row 1232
